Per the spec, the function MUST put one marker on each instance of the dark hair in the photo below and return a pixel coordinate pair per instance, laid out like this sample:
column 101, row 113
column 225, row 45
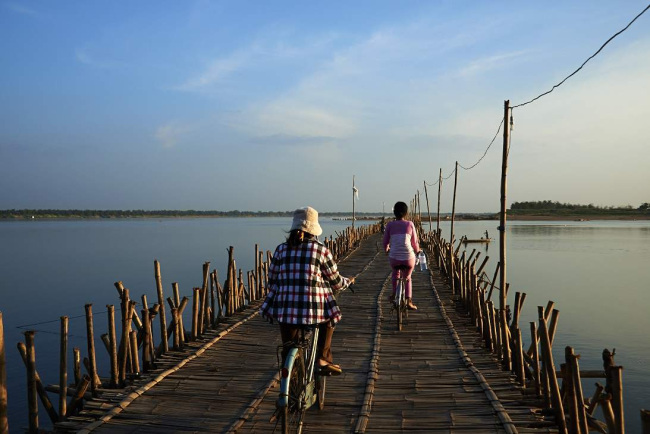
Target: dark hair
column 297, row 237
column 400, row 209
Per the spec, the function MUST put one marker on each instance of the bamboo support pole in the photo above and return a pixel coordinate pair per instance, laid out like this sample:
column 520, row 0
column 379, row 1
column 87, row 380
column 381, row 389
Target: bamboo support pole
column 177, row 301
column 549, row 367
column 483, row 264
column 152, row 315
column 212, row 303
column 258, row 289
column 439, row 189
column 63, row 368
column 494, row 279
column 164, row 343
column 40, row 389
column 542, row 313
column 426, row 196
column 90, row 336
column 30, row 365
column 4, row 421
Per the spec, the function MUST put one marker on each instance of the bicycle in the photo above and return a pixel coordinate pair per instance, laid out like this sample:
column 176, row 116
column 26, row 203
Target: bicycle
column 301, row 385
column 399, row 304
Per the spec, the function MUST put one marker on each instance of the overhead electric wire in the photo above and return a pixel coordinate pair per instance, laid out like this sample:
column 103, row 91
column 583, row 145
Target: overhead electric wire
column 585, row 62
column 486, row 150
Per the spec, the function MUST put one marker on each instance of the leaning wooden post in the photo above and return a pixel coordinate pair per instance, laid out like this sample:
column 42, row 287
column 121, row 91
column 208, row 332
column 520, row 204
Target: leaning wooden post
column 645, row 421
column 195, row 313
column 4, row 422
column 177, row 302
column 146, row 338
column 549, row 368
column 90, row 336
column 32, row 402
column 161, row 301
column 63, row 368
column 616, row 373
column 577, row 390
column 451, row 238
column 505, row 348
column 204, row 298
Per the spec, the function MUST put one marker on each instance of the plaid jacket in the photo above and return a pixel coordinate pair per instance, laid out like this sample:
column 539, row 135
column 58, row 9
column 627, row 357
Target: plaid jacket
column 302, row 280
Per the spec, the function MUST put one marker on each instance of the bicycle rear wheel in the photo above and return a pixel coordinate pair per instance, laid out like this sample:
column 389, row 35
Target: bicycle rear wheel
column 291, row 415
column 400, row 304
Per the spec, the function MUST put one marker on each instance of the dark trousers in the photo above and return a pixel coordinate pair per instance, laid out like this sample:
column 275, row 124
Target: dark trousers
column 291, row 333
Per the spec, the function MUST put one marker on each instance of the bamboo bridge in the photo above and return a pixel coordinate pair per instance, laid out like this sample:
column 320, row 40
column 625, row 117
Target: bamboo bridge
column 442, row 373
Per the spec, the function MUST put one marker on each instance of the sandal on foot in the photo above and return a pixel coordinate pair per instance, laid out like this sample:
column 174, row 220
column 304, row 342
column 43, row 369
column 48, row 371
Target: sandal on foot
column 331, row 369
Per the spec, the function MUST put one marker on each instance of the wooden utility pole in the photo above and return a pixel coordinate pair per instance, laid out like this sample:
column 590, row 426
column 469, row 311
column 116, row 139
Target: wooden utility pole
column 451, row 238
column 505, row 345
column 426, row 196
column 353, row 193
column 439, row 188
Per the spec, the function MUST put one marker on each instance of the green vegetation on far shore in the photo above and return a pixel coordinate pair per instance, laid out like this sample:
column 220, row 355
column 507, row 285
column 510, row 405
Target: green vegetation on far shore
column 547, row 208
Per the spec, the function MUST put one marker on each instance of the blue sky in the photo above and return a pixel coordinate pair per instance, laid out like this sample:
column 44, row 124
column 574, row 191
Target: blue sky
column 275, row 105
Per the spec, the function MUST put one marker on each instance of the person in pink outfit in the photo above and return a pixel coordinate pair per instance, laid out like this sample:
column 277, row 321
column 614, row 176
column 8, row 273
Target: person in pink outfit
column 401, row 244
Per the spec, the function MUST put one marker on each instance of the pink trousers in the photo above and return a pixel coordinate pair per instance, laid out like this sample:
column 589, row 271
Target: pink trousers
column 411, row 264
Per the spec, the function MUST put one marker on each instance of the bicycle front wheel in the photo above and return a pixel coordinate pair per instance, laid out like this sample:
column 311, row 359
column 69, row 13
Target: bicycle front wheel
column 294, row 387
column 320, row 397
column 400, row 304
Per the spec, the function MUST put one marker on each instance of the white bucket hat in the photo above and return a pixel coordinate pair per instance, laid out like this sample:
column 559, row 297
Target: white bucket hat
column 306, row 220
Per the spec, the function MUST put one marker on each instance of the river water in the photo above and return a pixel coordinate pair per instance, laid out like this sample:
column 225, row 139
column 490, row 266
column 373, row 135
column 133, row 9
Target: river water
column 596, row 272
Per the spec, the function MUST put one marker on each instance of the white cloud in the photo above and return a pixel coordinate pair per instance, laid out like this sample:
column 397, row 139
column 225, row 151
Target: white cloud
column 19, row 8
column 482, row 65
column 217, row 71
column 171, row 134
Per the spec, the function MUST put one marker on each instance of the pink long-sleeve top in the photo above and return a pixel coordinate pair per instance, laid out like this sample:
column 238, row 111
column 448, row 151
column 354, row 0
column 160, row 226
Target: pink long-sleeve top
column 402, row 238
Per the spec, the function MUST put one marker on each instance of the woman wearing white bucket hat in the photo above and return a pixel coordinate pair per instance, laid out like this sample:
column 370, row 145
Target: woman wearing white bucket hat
column 302, row 280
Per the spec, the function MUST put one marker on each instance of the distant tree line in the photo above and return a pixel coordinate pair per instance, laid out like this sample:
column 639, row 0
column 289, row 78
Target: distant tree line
column 90, row 213
column 558, row 207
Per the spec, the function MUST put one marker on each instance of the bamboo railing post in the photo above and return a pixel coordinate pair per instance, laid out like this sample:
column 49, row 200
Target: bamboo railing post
column 32, row 402
column 95, row 383
column 549, row 367
column 123, row 353
column 164, row 344
column 112, row 339
column 63, row 368
column 195, row 313
column 617, row 398
column 536, row 371
column 593, row 403
column 76, row 366
column 204, row 298
column 570, row 395
column 146, row 337
column 4, row 421
column 175, row 332
column 135, row 362
column 494, row 279
column 258, row 289
column 519, row 352
column 577, row 390
column 438, row 218
column 177, row 302
column 40, row 389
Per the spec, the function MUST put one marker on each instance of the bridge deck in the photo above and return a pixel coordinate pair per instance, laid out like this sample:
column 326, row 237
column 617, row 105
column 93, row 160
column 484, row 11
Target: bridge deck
column 421, row 384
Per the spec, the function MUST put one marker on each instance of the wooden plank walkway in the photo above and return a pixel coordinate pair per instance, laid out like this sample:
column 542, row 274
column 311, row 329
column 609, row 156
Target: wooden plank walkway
column 420, row 381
